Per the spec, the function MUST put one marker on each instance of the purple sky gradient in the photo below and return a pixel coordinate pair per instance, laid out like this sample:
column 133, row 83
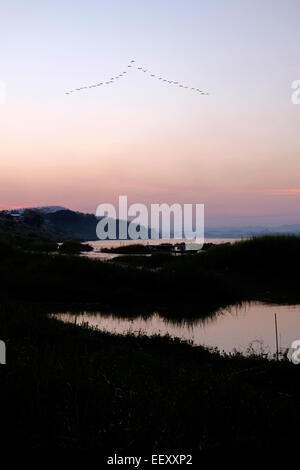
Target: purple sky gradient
column 236, row 150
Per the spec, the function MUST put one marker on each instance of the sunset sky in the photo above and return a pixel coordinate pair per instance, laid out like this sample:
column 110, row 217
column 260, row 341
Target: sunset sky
column 236, row 150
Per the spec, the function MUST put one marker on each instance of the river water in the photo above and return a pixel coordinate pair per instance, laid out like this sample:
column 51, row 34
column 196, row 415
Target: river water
column 98, row 245
column 250, row 325
column 234, row 328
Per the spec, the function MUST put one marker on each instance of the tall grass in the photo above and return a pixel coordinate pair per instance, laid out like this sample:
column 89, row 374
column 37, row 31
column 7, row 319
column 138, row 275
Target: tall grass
column 70, row 387
column 66, row 386
column 261, row 268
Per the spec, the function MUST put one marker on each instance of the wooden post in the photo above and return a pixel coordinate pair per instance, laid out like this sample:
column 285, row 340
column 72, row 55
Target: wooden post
column 276, row 334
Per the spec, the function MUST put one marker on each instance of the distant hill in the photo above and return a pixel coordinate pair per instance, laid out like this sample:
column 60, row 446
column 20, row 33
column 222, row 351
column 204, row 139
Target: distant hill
column 43, row 209
column 51, row 222
column 249, row 231
column 70, row 224
column 58, row 223
column 51, row 209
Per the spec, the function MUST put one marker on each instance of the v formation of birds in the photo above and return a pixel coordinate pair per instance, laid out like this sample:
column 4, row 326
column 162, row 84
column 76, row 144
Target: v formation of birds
column 132, row 65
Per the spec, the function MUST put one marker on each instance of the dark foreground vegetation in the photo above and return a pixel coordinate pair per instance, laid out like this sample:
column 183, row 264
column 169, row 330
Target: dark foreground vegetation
column 71, row 387
column 265, row 268
column 74, row 247
column 65, row 386
column 133, row 249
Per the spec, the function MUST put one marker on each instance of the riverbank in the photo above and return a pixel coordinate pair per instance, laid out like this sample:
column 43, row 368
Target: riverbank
column 246, row 327
column 262, row 269
column 66, row 386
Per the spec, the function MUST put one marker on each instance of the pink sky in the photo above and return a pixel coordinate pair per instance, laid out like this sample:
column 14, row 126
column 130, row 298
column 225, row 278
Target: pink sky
column 236, row 150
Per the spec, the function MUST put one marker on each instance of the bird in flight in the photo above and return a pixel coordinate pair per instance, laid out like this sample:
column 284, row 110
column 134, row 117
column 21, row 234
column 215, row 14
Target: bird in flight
column 132, row 65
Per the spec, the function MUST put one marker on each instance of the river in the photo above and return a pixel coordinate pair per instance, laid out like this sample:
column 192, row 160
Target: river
column 99, row 244
column 232, row 328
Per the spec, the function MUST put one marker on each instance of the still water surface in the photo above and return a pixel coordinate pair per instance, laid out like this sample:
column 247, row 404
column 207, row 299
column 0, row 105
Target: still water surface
column 229, row 329
column 98, row 245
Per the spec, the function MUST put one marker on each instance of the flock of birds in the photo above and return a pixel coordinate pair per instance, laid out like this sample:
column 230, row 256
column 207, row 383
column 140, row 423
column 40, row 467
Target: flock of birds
column 132, row 65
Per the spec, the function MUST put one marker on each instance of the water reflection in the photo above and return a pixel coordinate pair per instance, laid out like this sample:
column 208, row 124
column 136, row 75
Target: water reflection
column 231, row 328
column 99, row 244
